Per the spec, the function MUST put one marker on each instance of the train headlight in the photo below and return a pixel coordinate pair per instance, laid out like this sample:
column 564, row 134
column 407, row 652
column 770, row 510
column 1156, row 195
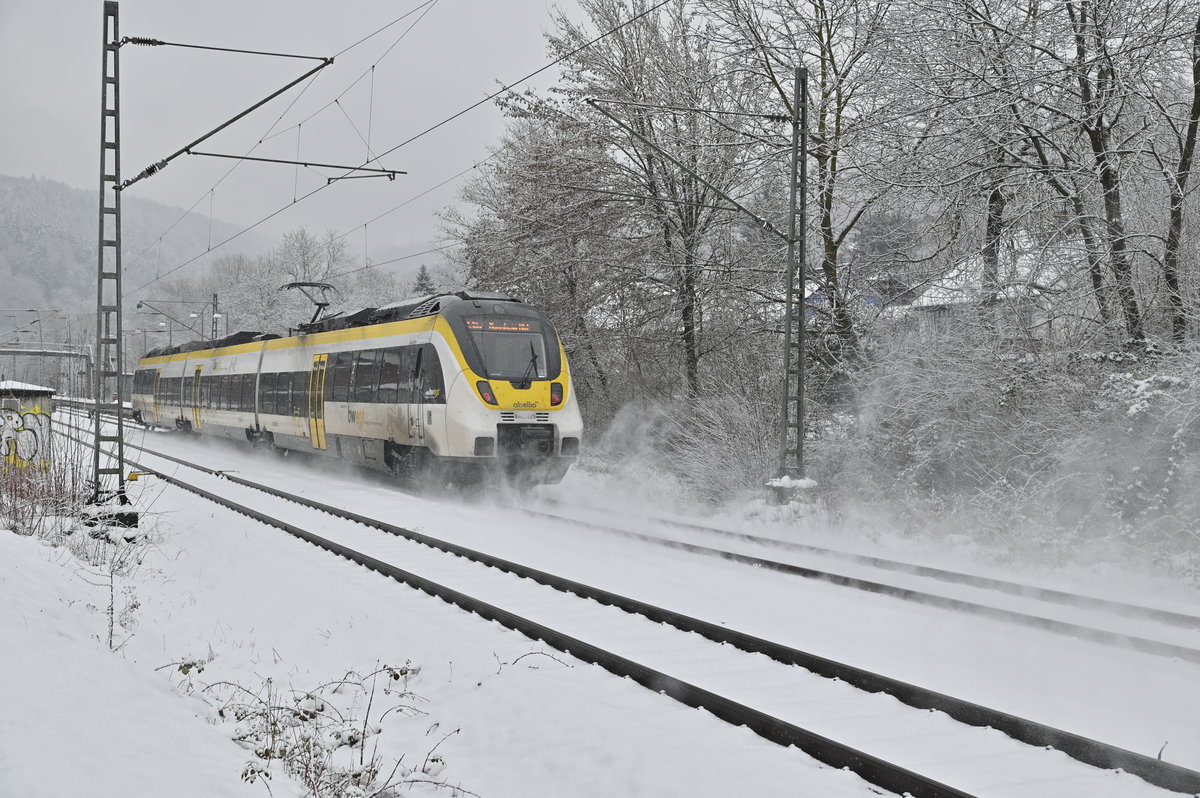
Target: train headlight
column 556, row 394
column 485, row 392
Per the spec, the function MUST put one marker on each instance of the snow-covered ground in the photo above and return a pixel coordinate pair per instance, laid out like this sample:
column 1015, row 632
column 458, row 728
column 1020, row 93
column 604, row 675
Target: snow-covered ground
column 219, row 611
column 506, row 716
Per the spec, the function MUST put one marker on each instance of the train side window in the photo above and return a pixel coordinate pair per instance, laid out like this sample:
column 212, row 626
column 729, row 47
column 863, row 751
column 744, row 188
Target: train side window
column 432, row 386
column 389, row 375
column 265, row 383
column 187, row 390
column 408, row 365
column 365, row 372
column 300, row 380
column 414, row 385
column 228, row 395
column 247, row 393
column 339, row 376
column 266, row 393
column 282, row 400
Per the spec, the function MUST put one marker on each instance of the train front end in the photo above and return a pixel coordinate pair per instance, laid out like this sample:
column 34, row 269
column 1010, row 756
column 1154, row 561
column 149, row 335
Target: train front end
column 511, row 405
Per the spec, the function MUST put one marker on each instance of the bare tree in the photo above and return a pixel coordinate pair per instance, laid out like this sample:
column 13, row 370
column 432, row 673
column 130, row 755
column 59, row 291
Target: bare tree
column 669, row 86
column 842, row 44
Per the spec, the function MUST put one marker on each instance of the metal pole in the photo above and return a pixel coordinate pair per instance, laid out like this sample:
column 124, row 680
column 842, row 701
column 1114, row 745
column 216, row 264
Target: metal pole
column 801, row 102
column 214, row 318
column 791, row 436
column 109, row 354
column 42, row 346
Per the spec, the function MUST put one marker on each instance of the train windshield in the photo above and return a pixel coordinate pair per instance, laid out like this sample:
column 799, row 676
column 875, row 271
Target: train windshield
column 512, row 348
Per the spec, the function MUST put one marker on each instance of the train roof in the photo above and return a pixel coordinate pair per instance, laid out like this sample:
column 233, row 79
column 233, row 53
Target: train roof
column 413, row 308
column 242, row 337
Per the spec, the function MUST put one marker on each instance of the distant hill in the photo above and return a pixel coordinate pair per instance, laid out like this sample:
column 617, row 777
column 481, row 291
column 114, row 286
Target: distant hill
column 48, row 237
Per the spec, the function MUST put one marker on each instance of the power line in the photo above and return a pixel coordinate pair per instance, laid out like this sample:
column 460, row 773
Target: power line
column 395, row 260
column 430, row 3
column 158, row 166
column 385, row 27
column 146, row 42
column 423, row 133
column 416, row 197
column 533, row 74
column 268, row 134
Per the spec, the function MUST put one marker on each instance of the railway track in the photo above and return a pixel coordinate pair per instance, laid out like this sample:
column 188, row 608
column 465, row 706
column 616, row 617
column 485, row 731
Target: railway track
column 1088, row 610
column 923, row 596
column 804, row 672
column 1010, row 587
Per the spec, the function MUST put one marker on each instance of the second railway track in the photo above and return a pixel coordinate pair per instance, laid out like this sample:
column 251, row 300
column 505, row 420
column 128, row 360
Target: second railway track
column 822, row 675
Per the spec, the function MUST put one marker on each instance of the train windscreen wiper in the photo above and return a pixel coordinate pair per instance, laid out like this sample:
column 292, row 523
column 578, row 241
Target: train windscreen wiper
column 530, row 370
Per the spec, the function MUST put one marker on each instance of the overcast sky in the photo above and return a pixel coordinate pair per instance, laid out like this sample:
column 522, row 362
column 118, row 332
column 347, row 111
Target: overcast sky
column 455, row 54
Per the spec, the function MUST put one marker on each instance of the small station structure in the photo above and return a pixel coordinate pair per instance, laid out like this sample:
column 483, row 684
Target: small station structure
column 25, row 418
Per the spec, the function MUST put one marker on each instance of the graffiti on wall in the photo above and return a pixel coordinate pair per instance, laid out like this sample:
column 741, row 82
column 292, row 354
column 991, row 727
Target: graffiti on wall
column 24, row 437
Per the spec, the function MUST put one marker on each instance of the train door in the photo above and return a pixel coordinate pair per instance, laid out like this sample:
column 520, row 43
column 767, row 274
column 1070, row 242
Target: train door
column 416, row 407
column 316, row 401
column 156, row 396
column 195, row 398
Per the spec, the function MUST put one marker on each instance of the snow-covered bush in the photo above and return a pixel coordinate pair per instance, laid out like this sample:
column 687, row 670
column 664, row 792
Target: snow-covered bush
column 327, row 737
column 1145, row 455
column 722, row 445
column 1058, row 453
column 686, row 452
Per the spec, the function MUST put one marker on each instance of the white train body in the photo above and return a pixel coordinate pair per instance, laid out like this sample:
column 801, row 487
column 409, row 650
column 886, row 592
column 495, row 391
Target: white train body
column 465, row 382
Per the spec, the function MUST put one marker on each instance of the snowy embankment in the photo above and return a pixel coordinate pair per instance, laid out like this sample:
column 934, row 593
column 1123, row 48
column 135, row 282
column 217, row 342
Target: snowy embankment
column 242, row 632
column 219, row 616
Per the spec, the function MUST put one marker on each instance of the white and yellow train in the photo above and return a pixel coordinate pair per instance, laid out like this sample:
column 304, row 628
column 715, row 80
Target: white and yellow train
column 459, row 384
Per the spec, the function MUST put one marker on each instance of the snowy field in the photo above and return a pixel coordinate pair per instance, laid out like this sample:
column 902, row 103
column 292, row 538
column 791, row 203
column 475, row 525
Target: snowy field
column 225, row 629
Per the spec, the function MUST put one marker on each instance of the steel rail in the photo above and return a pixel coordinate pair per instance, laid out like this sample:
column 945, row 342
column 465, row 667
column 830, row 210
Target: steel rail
column 1090, row 633
column 1080, row 631
column 873, row 770
column 1022, row 589
column 1078, row 747
column 1025, row 590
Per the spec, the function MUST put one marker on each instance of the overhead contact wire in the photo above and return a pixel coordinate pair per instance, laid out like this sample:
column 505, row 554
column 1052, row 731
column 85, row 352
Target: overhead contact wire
column 365, row 72
column 289, row 107
column 423, row 133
